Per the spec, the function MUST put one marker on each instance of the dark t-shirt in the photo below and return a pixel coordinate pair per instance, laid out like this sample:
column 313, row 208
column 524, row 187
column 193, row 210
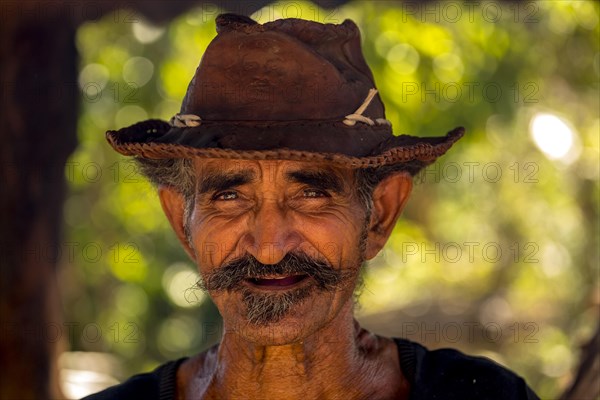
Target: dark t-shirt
column 439, row 374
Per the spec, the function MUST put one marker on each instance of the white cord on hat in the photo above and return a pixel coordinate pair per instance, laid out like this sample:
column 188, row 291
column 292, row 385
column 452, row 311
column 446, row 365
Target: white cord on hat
column 357, row 116
column 192, row 120
column 185, row 120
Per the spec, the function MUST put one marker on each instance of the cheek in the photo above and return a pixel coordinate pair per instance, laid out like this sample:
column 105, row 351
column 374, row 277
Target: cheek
column 334, row 235
column 214, row 238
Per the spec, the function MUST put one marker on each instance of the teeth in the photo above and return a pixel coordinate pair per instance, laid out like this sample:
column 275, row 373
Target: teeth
column 274, row 277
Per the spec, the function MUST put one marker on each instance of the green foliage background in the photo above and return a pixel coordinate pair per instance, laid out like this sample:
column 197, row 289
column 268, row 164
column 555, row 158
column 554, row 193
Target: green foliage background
column 489, row 67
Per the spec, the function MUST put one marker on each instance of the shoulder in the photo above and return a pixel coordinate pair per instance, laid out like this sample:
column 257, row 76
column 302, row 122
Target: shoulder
column 147, row 386
column 451, row 374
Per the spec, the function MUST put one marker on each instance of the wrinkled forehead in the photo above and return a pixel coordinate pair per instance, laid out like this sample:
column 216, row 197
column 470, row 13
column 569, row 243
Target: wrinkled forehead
column 269, row 169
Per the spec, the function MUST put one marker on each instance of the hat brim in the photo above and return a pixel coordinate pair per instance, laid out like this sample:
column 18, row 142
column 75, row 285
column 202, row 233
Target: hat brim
column 361, row 146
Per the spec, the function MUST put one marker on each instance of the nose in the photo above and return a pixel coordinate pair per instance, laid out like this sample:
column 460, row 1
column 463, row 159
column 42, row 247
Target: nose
column 271, row 234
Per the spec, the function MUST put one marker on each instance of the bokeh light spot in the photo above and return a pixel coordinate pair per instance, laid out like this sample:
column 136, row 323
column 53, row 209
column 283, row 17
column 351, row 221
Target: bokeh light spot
column 137, row 71
column 146, row 33
column 179, row 282
column 551, row 135
column 93, row 77
column 403, row 58
column 129, row 115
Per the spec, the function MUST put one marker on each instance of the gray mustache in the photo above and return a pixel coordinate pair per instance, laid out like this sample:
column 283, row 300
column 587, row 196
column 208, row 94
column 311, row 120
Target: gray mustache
column 231, row 275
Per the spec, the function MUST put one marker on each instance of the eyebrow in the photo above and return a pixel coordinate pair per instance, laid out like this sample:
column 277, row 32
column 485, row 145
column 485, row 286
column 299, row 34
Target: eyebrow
column 218, row 181
column 322, row 180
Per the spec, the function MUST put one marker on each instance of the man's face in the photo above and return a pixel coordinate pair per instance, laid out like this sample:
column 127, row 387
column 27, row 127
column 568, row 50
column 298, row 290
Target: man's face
column 278, row 244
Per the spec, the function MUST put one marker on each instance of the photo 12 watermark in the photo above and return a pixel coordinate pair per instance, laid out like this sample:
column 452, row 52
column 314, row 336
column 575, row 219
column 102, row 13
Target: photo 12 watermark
column 470, row 332
column 74, row 252
column 470, row 92
column 476, row 171
column 456, row 11
column 467, row 252
column 73, row 332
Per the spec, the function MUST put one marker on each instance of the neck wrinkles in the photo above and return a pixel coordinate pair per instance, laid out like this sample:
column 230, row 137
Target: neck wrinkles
column 342, row 358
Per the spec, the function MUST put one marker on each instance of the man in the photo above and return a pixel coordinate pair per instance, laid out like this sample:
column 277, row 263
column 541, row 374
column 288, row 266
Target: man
column 281, row 176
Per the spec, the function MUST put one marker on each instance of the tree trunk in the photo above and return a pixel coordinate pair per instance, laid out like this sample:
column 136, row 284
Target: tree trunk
column 38, row 71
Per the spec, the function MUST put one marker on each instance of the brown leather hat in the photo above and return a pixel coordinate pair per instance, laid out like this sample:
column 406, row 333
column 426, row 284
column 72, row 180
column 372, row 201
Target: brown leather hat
column 288, row 89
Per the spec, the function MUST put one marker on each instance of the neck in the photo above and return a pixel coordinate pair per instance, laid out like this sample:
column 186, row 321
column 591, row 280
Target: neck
column 339, row 358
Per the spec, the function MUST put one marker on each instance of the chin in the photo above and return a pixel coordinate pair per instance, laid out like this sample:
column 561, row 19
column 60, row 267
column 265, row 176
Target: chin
column 275, row 334
column 300, row 322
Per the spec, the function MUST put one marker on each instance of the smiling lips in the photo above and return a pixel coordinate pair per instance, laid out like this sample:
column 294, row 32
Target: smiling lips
column 277, row 282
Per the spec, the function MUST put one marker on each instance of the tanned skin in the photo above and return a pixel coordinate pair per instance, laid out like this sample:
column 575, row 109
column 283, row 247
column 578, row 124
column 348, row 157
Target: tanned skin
column 317, row 350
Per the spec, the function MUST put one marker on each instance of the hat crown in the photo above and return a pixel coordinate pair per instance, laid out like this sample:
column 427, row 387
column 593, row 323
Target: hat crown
column 285, row 70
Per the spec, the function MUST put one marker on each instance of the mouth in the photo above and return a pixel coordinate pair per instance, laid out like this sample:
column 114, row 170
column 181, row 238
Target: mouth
column 277, row 282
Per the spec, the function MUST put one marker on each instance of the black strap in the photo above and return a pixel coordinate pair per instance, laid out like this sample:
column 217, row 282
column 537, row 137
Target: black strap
column 407, row 352
column 167, row 375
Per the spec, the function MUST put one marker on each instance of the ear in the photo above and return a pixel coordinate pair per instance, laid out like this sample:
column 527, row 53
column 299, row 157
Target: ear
column 389, row 199
column 173, row 204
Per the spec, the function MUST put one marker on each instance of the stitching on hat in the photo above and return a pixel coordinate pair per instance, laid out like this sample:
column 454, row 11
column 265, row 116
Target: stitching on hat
column 356, row 116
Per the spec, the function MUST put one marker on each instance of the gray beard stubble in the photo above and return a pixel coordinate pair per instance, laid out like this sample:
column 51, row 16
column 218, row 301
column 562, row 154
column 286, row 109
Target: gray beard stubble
column 266, row 308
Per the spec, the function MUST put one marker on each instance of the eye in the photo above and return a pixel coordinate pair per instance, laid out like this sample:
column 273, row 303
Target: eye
column 225, row 196
column 315, row 193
